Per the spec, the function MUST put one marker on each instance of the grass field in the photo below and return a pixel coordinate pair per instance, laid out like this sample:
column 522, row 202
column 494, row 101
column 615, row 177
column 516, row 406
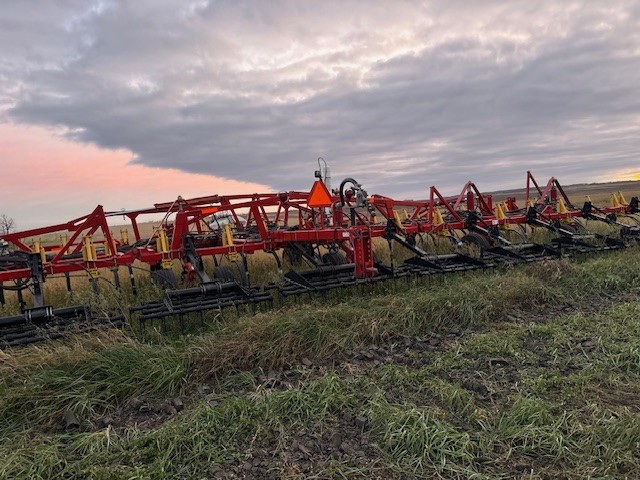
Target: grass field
column 529, row 372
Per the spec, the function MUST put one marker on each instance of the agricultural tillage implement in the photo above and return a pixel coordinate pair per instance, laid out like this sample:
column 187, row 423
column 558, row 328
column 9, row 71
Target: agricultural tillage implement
column 331, row 232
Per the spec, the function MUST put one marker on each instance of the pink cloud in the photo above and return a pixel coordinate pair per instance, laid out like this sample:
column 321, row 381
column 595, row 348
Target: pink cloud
column 47, row 179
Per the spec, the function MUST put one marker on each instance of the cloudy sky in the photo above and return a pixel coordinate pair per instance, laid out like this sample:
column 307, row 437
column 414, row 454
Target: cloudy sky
column 126, row 103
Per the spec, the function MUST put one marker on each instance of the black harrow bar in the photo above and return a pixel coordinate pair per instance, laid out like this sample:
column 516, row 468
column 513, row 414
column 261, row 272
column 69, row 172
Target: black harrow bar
column 48, row 323
column 522, row 253
column 324, row 278
column 207, row 296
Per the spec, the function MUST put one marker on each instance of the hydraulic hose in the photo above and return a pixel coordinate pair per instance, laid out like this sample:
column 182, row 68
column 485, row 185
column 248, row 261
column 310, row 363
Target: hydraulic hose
column 342, row 184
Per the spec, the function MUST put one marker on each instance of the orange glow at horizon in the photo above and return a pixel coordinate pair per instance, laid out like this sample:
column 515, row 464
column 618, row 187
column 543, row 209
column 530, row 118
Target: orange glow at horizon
column 626, row 175
column 45, row 179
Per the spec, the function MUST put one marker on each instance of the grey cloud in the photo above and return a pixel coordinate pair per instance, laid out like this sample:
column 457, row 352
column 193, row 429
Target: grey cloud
column 402, row 97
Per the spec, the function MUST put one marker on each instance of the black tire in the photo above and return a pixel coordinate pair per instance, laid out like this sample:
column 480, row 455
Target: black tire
column 334, row 258
column 291, row 257
column 165, row 277
column 223, row 273
column 477, row 239
column 242, row 273
column 515, row 235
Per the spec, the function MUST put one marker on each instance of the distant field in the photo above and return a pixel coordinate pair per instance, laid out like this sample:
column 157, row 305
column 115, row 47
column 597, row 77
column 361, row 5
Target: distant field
column 600, row 193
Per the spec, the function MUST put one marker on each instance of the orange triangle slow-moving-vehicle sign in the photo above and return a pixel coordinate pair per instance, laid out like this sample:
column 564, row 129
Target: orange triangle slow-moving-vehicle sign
column 319, row 196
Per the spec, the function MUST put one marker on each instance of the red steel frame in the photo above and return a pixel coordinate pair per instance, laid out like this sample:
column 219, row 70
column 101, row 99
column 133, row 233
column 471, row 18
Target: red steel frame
column 313, row 226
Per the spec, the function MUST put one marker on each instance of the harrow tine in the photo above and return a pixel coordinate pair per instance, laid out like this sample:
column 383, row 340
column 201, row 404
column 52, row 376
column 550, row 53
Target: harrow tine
column 94, row 286
column 116, row 278
column 132, row 280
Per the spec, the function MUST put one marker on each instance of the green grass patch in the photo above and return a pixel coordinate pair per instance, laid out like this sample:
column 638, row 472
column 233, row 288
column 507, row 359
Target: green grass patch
column 415, row 435
column 89, row 386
